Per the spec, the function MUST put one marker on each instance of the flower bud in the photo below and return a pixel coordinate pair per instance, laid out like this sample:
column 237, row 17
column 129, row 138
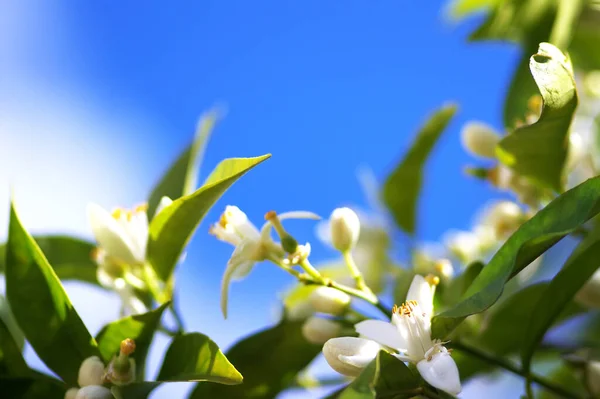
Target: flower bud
column 317, row 330
column 345, row 229
column 593, row 377
column 480, row 139
column 503, row 217
column 465, row 245
column 329, row 300
column 94, row 392
column 91, row 372
column 71, row 393
column 350, row 355
column 589, row 294
column 440, row 371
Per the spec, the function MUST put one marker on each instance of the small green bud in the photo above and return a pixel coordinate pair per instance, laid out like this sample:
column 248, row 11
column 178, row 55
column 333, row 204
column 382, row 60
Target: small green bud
column 289, row 244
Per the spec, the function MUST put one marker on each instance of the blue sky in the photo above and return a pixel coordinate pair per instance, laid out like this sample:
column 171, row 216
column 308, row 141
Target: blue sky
column 99, row 97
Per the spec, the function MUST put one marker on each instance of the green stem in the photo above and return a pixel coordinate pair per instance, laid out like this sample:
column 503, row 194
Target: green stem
column 312, row 272
column 541, row 381
column 355, row 272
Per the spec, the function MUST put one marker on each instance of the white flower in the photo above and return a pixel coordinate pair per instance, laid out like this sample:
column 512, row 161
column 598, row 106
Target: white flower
column 350, row 355
column 318, row 330
column 251, row 245
column 593, row 376
column 345, row 229
column 409, row 336
column 329, row 300
column 480, row 139
column 91, row 372
column 503, row 218
column 589, row 294
column 71, row 393
column 506, row 180
column 94, row 392
column 465, row 245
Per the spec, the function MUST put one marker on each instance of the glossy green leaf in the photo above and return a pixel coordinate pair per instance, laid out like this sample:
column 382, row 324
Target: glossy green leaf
column 463, row 8
column 195, row 357
column 269, row 361
column 182, row 176
column 12, row 362
column 172, row 228
column 506, row 326
column 539, row 150
column 452, row 290
column 69, row 257
column 580, row 266
column 35, row 386
column 384, row 377
column 402, row 188
column 140, row 328
column 41, row 306
column 561, row 217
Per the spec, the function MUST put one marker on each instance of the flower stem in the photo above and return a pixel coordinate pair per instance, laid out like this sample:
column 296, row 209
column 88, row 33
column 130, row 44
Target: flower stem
column 355, row 272
column 541, row 381
column 312, row 272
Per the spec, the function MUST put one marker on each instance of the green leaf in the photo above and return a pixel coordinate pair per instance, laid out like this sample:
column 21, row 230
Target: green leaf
column 41, row 306
column 269, row 361
column 32, row 387
column 462, row 8
column 136, row 390
column 12, row 362
column 70, row 257
column 561, row 217
column 506, row 327
column 195, row 357
column 140, row 328
column 402, row 284
column 172, row 228
column 539, row 151
column 182, row 176
column 577, row 270
column 401, row 189
column 384, row 377
column 454, row 289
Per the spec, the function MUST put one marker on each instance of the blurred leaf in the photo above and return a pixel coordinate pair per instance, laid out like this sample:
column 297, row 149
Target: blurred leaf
column 384, row 377
column 69, row 257
column 402, row 284
column 195, row 357
column 462, row 8
column 539, row 151
column 32, row 387
column 564, row 376
column 561, row 217
column 453, row 289
column 137, row 390
column 577, row 270
column 469, row 366
column 401, row 189
column 182, row 176
column 12, row 362
column 586, row 39
column 269, row 361
column 41, row 306
column 172, row 228
column 140, row 328
column 506, row 327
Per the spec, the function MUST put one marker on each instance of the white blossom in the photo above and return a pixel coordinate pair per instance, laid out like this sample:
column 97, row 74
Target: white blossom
column 94, row 392
column 91, row 372
column 329, row 300
column 318, row 330
column 251, row 245
column 345, row 229
column 480, row 139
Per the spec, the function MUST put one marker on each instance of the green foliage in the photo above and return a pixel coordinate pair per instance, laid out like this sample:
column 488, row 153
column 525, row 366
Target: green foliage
column 580, row 266
column 195, row 357
column 11, row 344
column 401, row 189
column 182, row 177
column 41, row 306
column 140, row 328
column 70, row 257
column 561, row 217
column 32, row 387
column 269, row 361
column 384, row 377
column 173, row 227
column 539, row 150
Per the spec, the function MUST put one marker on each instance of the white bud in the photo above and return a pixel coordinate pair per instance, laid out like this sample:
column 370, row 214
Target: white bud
column 94, row 392
column 91, row 372
column 350, row 355
column 71, row 393
column 329, row 300
column 440, row 371
column 465, row 245
column 589, row 294
column 480, row 139
column 593, row 377
column 318, row 330
column 503, row 217
column 300, row 311
column 345, row 229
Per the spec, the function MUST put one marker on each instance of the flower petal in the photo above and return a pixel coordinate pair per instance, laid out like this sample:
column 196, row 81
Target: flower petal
column 421, row 291
column 111, row 236
column 382, row 332
column 237, row 267
column 350, row 355
column 298, row 215
column 441, row 372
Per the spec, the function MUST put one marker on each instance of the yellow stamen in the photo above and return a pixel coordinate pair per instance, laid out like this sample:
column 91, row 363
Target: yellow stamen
column 535, row 103
column 432, row 280
column 127, row 346
column 141, row 208
column 117, row 213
